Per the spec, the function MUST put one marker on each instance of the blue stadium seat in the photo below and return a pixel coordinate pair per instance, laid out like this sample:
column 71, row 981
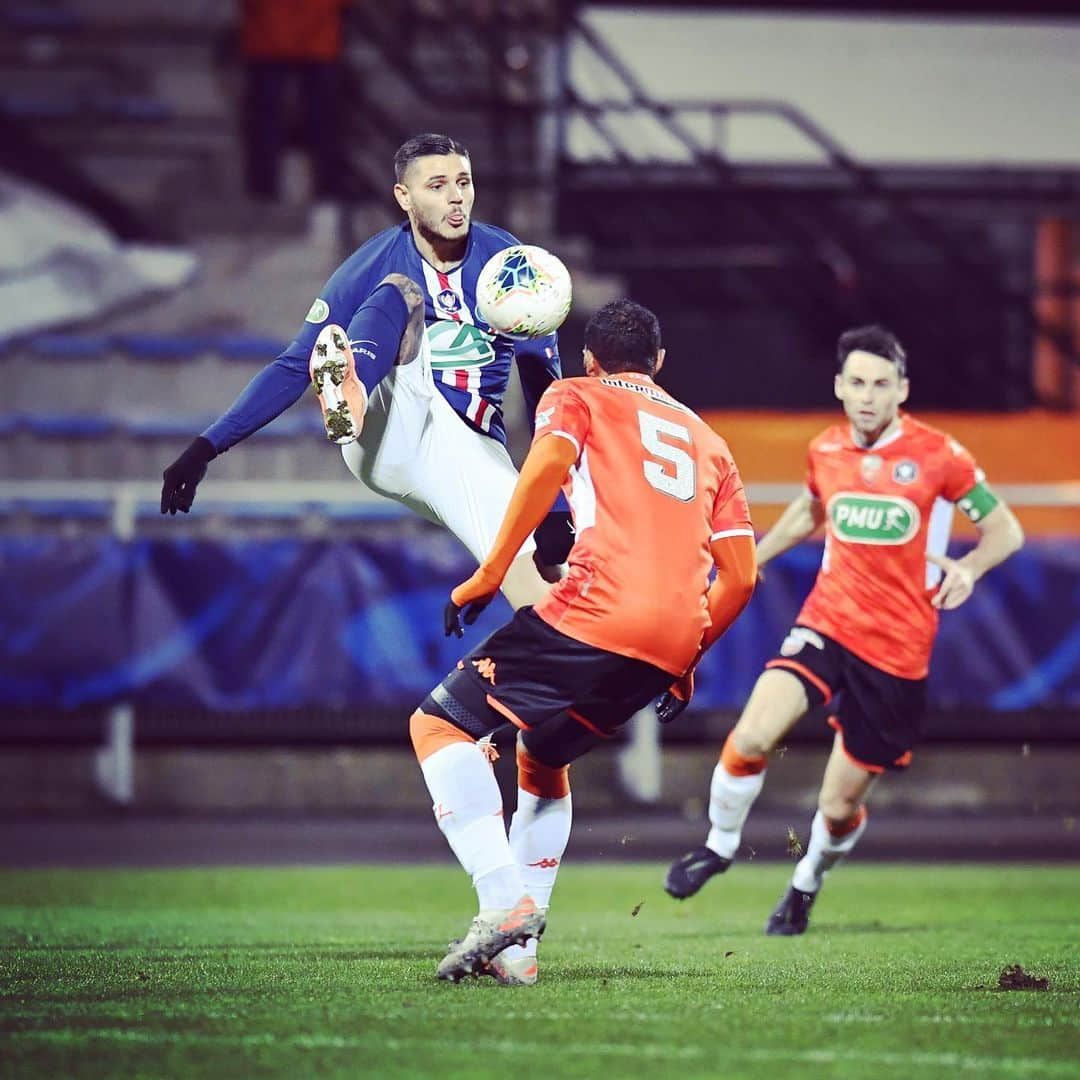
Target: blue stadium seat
column 68, row 345
column 161, row 346
column 69, row 426
column 39, row 18
column 37, row 107
column 133, row 108
column 245, row 347
column 164, row 427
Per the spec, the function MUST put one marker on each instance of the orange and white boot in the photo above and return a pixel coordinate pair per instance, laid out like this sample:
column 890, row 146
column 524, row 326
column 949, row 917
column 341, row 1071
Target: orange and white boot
column 515, row 966
column 490, row 933
column 342, row 396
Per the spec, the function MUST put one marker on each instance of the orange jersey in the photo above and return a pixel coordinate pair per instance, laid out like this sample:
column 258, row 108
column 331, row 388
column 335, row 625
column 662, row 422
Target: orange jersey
column 652, row 487
column 886, row 506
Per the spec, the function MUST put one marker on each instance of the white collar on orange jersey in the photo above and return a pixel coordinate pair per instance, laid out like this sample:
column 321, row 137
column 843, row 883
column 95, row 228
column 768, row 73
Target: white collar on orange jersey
column 889, row 436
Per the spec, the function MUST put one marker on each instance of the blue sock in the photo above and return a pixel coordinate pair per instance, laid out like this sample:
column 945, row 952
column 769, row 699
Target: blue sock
column 375, row 334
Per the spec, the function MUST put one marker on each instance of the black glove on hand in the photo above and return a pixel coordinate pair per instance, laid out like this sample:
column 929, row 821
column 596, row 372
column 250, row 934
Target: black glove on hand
column 675, row 698
column 182, row 477
column 454, row 616
column 554, row 538
column 669, row 706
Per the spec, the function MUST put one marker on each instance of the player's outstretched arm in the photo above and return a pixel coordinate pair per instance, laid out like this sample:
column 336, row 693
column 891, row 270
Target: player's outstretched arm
column 542, row 474
column 801, row 518
column 1000, row 535
column 279, row 385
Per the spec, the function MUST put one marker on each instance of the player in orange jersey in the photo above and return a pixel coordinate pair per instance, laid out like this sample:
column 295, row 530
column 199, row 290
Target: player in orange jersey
column 884, row 486
column 657, row 504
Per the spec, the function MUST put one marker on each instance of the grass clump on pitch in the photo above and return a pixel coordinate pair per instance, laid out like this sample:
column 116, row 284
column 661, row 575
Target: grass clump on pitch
column 330, row 972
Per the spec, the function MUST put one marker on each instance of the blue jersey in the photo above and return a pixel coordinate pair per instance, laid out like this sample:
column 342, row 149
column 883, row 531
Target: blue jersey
column 470, row 363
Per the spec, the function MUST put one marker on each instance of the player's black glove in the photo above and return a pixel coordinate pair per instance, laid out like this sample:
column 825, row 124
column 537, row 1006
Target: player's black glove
column 675, row 698
column 454, row 616
column 182, row 477
column 554, row 538
column 468, row 599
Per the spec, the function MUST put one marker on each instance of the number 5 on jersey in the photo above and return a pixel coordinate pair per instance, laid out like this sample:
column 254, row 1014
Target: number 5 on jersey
column 654, row 430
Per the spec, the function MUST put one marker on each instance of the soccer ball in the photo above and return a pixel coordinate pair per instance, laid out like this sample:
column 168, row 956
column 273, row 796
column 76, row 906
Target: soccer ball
column 523, row 292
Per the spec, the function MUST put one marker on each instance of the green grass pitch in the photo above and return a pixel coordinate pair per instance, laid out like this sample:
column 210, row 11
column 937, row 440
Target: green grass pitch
column 330, row 972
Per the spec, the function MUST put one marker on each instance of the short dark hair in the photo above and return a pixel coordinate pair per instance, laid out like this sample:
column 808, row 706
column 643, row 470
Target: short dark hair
column 872, row 339
column 423, row 146
column 624, row 336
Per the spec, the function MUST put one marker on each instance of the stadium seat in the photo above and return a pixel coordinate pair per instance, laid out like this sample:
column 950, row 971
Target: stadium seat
column 68, row 425
column 52, row 346
column 39, row 107
column 41, row 18
column 161, row 346
column 245, row 347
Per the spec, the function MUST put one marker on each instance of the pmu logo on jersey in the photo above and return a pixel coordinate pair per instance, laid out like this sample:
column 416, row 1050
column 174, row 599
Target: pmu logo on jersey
column 456, row 345
column 448, row 301
column 858, row 518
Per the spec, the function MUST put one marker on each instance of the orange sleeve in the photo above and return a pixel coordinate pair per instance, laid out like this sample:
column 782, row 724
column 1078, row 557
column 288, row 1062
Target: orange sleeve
column 731, row 512
column 961, row 472
column 563, row 411
column 736, row 572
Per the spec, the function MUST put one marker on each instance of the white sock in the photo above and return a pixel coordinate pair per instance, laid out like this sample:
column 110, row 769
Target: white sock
column 730, row 799
column 539, row 833
column 468, row 809
column 822, row 853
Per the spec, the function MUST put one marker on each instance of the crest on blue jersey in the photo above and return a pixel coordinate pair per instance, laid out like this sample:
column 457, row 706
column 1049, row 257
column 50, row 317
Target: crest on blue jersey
column 448, row 301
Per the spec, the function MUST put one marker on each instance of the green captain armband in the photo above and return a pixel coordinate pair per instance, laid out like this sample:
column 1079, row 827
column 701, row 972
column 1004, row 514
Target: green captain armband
column 978, row 502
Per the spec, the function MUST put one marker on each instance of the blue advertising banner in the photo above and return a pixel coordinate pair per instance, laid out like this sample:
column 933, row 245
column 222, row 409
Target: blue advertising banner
column 289, row 623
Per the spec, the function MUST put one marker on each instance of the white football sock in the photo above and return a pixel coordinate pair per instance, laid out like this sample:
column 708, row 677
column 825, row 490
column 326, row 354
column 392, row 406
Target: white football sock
column 730, row 799
column 822, row 853
column 539, row 833
column 468, row 809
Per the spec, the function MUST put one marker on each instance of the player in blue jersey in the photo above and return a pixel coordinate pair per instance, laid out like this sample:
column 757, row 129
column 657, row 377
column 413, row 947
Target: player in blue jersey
column 409, row 377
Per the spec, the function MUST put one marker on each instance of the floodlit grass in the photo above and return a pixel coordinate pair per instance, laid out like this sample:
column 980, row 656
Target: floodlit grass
column 330, row 972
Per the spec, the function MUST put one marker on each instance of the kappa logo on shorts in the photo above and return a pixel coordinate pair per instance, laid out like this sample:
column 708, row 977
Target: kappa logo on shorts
column 485, row 669
column 798, row 636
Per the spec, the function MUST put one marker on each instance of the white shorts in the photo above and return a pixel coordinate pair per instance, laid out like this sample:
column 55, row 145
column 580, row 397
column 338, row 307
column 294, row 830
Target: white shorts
column 415, row 449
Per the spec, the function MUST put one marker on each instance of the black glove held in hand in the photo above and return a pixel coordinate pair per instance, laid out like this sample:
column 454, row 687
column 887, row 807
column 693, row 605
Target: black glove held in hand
column 183, row 475
column 669, row 706
column 554, row 538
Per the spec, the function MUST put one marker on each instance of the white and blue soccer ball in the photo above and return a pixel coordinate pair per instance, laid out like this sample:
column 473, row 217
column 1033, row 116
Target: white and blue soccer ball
column 523, row 292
